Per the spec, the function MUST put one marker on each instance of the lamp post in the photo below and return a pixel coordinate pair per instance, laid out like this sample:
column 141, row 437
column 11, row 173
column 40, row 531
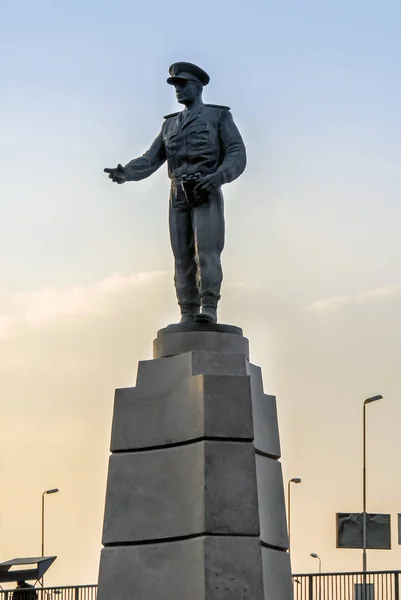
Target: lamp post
column 364, row 524
column 314, row 555
column 52, row 491
column 293, row 480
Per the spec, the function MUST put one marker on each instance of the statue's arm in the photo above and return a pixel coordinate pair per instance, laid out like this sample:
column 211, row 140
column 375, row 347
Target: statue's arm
column 148, row 163
column 234, row 161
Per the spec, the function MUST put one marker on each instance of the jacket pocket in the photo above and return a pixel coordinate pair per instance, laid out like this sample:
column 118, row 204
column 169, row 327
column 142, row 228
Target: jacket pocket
column 170, row 143
column 198, row 138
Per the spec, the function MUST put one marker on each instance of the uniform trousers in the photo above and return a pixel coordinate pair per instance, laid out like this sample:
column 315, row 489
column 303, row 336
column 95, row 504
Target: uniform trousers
column 197, row 240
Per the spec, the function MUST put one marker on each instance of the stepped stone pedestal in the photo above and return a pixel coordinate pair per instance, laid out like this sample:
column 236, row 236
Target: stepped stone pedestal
column 195, row 501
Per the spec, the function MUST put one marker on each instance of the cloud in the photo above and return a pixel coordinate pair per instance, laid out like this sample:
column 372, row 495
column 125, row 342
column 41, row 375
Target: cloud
column 46, row 305
column 368, row 297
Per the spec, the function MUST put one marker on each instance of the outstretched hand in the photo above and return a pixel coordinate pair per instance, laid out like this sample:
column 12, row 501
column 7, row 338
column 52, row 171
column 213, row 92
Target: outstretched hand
column 118, row 175
column 208, row 183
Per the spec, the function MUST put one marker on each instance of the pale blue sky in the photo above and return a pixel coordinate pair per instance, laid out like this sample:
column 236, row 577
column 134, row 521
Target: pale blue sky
column 314, row 85
column 312, row 262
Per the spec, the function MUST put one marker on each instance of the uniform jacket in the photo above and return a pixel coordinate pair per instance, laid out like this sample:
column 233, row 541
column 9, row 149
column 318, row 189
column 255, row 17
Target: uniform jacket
column 204, row 142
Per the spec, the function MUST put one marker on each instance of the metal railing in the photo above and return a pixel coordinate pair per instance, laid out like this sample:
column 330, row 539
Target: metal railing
column 374, row 585
column 61, row 592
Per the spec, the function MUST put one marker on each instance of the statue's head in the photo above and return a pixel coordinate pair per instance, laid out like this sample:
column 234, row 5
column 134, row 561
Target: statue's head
column 188, row 80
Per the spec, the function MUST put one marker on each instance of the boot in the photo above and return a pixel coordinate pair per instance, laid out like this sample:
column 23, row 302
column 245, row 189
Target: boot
column 189, row 313
column 208, row 314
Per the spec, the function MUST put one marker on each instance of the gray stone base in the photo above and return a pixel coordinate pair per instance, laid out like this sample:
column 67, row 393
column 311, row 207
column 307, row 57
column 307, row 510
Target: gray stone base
column 203, row 568
column 276, row 574
column 177, row 342
column 202, row 327
column 205, row 487
column 195, row 499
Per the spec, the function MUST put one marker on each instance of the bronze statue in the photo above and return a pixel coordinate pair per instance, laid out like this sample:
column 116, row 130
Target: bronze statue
column 204, row 150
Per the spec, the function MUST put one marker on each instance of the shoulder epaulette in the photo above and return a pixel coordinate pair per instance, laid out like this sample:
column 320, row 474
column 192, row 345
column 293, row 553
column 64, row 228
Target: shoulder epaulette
column 171, row 115
column 218, row 106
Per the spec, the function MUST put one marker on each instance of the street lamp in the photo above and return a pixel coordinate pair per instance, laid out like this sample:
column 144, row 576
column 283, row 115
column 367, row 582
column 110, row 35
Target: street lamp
column 364, row 540
column 314, row 555
column 293, row 480
column 52, row 491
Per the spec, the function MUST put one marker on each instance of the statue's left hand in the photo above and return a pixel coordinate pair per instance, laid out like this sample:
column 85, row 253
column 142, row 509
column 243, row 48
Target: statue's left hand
column 209, row 183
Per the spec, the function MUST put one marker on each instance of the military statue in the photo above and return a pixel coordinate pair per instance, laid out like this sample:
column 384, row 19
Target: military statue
column 204, row 150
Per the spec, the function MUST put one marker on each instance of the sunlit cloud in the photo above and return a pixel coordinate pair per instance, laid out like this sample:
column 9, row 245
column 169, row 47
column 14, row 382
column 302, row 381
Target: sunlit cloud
column 370, row 296
column 46, row 305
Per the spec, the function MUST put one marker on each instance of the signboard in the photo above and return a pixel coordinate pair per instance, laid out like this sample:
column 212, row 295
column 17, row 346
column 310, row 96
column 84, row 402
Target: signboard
column 350, row 531
column 364, row 591
column 399, row 528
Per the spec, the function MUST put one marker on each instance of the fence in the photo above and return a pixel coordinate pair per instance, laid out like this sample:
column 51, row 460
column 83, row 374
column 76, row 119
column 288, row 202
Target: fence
column 77, row 592
column 374, row 585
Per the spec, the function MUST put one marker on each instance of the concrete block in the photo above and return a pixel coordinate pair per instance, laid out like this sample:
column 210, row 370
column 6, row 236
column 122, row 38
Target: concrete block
column 154, row 494
column 216, row 363
column 233, row 569
column 144, row 419
column 277, row 574
column 231, row 500
column 205, row 487
column 196, row 407
column 163, row 374
column 200, row 327
column 273, row 520
column 171, row 344
column 164, row 571
column 203, row 568
column 227, row 406
column 267, row 439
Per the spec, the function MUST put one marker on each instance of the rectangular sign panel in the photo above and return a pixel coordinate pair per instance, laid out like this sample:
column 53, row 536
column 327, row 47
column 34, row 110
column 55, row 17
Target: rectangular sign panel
column 399, row 528
column 364, row 591
column 350, row 531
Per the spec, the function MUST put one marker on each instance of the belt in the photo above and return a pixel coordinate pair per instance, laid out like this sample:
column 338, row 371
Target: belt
column 185, row 177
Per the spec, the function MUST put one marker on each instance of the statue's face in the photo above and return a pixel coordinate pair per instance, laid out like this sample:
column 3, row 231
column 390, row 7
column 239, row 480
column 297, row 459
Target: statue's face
column 186, row 91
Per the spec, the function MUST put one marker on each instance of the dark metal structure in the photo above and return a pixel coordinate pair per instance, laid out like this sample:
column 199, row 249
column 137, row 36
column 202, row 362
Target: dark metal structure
column 30, row 569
